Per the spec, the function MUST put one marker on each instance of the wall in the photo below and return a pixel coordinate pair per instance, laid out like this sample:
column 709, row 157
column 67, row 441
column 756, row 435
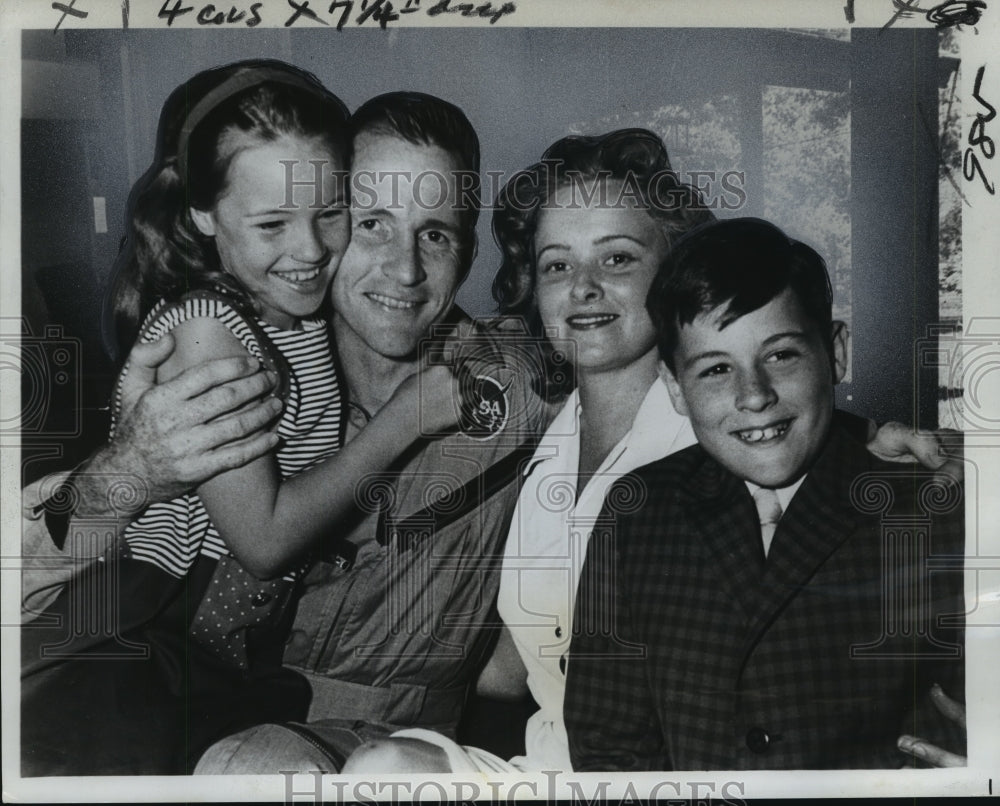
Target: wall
column 524, row 88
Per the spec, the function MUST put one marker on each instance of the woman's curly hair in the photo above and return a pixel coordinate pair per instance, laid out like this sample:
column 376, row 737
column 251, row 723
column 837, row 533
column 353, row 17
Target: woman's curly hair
column 635, row 157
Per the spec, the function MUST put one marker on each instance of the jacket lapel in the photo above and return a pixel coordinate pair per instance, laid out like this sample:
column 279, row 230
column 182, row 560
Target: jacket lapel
column 725, row 528
column 819, row 519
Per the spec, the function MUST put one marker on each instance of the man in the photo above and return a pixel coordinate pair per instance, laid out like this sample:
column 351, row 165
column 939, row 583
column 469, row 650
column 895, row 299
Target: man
column 391, row 624
column 810, row 642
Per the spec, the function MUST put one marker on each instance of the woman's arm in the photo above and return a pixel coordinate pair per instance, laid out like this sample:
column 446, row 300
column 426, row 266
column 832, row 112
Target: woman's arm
column 269, row 523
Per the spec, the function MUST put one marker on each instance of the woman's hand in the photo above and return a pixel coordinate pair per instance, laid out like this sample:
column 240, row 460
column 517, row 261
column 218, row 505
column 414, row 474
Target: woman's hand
column 931, row 753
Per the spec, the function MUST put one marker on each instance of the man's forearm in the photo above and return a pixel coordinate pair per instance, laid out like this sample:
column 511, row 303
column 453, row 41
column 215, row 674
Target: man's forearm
column 69, row 520
column 105, row 490
column 96, row 492
column 72, row 519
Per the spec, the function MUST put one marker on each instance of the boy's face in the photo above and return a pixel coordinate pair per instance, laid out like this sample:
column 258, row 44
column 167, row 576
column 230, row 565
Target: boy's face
column 759, row 392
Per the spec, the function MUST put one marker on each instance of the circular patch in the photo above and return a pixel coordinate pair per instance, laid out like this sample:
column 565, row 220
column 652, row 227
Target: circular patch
column 485, row 407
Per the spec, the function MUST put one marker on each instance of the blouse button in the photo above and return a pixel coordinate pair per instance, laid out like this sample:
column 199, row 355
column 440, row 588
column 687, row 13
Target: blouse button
column 260, row 599
column 558, row 632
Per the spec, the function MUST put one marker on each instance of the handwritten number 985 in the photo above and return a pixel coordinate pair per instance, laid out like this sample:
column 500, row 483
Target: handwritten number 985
column 978, row 137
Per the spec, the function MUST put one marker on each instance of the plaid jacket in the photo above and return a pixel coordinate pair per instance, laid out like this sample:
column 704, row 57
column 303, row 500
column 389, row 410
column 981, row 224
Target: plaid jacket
column 691, row 652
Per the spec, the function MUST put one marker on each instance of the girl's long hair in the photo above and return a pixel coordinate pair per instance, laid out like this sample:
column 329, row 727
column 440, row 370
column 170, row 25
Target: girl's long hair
column 164, row 254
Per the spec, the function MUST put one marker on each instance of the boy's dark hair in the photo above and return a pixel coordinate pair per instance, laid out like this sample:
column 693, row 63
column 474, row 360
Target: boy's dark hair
column 425, row 120
column 742, row 263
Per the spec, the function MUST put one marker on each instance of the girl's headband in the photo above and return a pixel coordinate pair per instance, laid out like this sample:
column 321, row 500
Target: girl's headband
column 241, row 80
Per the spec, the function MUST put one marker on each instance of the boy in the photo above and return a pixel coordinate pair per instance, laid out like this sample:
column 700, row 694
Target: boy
column 801, row 631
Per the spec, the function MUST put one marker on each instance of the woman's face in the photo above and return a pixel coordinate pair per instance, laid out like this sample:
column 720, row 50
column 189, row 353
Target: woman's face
column 594, row 264
column 282, row 239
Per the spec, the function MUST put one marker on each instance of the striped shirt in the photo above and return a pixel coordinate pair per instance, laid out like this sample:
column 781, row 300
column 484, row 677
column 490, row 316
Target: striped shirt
column 173, row 533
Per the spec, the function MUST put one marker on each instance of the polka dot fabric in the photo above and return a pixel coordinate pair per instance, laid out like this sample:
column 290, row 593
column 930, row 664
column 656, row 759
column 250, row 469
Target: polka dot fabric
column 234, row 602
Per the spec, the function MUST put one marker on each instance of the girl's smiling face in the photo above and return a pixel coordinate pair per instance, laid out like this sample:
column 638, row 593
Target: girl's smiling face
column 594, row 264
column 281, row 224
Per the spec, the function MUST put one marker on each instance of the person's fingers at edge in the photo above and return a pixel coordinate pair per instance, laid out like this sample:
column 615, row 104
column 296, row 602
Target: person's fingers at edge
column 900, row 443
column 952, row 709
column 928, row 450
column 951, row 472
column 953, row 452
column 930, row 753
column 925, row 447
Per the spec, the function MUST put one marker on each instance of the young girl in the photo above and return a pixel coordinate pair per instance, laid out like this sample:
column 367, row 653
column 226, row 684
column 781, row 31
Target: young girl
column 235, row 233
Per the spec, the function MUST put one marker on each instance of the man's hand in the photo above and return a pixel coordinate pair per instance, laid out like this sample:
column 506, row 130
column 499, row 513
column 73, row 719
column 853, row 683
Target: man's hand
column 924, row 750
column 938, row 450
column 172, row 437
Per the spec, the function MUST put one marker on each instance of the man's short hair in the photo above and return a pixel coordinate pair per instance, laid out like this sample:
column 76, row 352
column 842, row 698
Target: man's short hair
column 742, row 263
column 429, row 121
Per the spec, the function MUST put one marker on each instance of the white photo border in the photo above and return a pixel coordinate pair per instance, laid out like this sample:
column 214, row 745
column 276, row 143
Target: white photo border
column 981, row 303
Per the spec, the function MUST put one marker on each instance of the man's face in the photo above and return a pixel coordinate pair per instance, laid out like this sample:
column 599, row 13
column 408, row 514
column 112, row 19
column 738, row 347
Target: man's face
column 405, row 259
column 759, row 392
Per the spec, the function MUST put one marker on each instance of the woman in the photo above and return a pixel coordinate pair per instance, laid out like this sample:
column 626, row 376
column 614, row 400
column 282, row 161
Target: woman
column 582, row 232
column 588, row 270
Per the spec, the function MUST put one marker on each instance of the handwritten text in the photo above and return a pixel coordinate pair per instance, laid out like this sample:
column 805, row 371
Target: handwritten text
column 208, row 14
column 383, row 12
column 971, row 166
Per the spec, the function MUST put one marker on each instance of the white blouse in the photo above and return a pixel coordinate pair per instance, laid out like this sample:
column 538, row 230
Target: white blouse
column 547, row 545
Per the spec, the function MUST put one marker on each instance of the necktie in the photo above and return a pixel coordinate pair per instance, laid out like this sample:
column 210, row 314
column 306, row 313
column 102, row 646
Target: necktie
column 769, row 510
